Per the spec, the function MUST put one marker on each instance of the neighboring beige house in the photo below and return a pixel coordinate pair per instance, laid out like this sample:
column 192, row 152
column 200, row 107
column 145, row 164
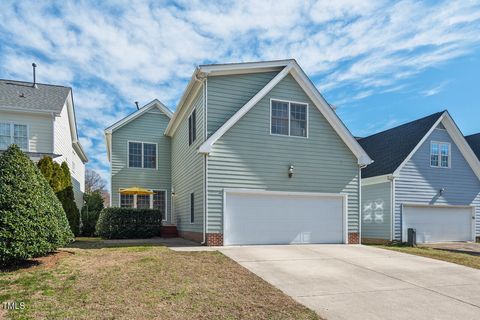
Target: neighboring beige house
column 40, row 119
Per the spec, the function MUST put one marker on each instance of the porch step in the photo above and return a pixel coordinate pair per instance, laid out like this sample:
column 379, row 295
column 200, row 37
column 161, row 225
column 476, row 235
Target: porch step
column 169, row 231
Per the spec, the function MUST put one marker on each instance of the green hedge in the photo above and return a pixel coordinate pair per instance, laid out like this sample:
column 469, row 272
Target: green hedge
column 32, row 220
column 127, row 223
column 90, row 212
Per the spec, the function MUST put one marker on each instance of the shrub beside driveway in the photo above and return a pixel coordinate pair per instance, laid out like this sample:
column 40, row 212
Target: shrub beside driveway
column 144, row 282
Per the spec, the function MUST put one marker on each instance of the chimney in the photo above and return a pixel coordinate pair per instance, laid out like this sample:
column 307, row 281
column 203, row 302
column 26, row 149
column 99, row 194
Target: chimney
column 136, row 103
column 34, row 77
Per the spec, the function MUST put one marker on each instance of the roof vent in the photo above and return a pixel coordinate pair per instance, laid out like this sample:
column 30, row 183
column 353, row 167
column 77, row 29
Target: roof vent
column 136, row 103
column 34, row 77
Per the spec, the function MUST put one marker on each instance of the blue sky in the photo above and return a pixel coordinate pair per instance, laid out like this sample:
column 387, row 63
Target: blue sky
column 381, row 63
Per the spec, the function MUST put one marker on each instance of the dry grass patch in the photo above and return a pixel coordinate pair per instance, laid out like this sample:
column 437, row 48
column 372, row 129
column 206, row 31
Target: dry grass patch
column 145, row 282
column 469, row 260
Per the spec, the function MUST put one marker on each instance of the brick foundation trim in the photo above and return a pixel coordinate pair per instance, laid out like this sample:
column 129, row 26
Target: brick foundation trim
column 375, row 241
column 214, row 239
column 353, row 238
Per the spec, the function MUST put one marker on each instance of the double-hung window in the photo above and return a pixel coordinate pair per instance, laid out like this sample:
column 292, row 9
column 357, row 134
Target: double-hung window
column 289, row 118
column 126, row 200
column 192, row 127
column 440, row 154
column 13, row 133
column 142, row 155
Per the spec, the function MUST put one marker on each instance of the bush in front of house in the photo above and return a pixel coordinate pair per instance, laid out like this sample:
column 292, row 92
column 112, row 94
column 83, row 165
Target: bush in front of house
column 60, row 180
column 129, row 223
column 32, row 220
column 90, row 212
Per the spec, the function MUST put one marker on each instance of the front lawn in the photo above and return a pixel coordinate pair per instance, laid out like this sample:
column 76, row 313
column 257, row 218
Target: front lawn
column 465, row 259
column 90, row 280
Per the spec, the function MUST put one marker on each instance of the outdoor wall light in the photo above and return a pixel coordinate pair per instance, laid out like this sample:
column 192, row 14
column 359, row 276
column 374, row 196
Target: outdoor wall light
column 290, row 171
column 442, row 190
column 173, row 192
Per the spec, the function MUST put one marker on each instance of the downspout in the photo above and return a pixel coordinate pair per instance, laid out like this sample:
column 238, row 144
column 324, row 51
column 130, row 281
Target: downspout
column 393, row 209
column 205, row 164
column 360, row 167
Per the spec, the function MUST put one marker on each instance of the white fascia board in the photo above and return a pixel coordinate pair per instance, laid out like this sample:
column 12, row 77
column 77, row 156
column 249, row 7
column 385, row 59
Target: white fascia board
column 78, row 148
column 331, row 116
column 396, row 173
column 190, row 91
column 206, row 147
column 461, row 143
column 245, row 67
column 20, row 110
column 376, row 180
column 152, row 104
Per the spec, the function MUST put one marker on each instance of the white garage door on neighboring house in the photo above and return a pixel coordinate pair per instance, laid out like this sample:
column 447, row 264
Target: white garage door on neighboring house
column 271, row 217
column 439, row 223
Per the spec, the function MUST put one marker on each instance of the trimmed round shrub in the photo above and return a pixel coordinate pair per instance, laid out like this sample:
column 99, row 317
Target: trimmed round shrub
column 128, row 223
column 32, row 220
column 90, row 212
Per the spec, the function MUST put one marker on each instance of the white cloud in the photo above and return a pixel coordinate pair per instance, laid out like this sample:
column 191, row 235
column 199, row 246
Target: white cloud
column 114, row 53
column 434, row 90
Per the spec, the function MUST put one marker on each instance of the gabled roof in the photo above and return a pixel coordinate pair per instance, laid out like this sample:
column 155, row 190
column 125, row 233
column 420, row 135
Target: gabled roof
column 393, row 148
column 20, row 95
column 389, row 148
column 152, row 104
column 474, row 142
column 285, row 67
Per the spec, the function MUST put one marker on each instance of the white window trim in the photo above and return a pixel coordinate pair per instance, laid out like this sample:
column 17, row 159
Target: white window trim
column 440, row 154
column 289, row 115
column 142, row 142
column 120, row 199
column 12, row 132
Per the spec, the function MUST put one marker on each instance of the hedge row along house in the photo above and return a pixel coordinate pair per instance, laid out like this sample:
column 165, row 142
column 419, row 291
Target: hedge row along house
column 40, row 119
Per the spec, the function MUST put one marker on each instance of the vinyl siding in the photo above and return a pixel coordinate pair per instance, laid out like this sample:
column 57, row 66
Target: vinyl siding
column 377, row 210
column 420, row 183
column 63, row 146
column 227, row 94
column 188, row 170
column 40, row 129
column 150, row 128
column 247, row 156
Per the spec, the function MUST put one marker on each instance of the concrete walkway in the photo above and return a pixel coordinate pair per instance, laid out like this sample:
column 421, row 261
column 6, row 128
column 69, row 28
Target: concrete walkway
column 360, row 282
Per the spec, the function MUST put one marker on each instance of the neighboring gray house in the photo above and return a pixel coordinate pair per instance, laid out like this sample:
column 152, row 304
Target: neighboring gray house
column 252, row 155
column 424, row 176
column 40, row 119
column 474, row 142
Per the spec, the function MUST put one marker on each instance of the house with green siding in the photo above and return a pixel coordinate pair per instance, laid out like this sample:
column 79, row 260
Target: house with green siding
column 252, row 155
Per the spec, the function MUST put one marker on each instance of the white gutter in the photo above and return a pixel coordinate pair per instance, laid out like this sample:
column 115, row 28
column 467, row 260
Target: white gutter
column 205, row 163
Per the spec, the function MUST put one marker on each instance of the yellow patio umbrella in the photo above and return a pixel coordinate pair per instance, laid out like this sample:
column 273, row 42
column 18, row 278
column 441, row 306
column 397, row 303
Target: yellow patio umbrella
column 136, row 190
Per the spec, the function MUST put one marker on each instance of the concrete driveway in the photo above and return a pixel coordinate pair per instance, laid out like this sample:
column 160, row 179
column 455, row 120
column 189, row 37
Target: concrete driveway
column 361, row 282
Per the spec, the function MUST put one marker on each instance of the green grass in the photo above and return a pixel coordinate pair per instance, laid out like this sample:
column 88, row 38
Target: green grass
column 464, row 259
column 95, row 279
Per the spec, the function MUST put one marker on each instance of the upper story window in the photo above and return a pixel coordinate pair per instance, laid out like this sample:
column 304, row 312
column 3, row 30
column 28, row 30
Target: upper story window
column 440, row 154
column 192, row 127
column 13, row 133
column 142, row 155
column 289, row 118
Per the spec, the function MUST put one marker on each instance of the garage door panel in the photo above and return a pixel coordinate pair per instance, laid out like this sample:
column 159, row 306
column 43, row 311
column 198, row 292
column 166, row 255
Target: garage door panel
column 264, row 218
column 438, row 224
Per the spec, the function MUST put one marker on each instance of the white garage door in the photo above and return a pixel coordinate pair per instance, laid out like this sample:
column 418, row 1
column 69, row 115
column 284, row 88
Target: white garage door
column 438, row 224
column 269, row 217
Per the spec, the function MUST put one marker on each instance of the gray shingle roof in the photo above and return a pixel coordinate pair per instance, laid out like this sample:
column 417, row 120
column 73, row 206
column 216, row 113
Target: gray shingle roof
column 389, row 148
column 474, row 142
column 22, row 95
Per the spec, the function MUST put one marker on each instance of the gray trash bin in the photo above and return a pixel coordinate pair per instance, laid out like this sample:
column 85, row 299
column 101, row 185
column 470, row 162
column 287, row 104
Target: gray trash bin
column 412, row 237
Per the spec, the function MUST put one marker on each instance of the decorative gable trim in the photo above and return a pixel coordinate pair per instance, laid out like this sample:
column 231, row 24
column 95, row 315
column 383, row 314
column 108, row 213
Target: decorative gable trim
column 294, row 69
column 457, row 137
column 153, row 104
